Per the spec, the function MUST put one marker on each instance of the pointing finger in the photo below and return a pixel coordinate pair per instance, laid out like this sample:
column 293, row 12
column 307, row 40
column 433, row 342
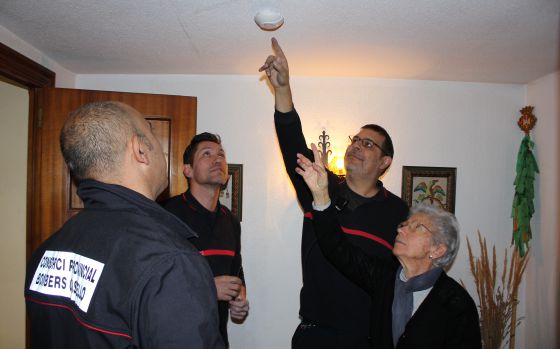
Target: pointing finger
column 277, row 49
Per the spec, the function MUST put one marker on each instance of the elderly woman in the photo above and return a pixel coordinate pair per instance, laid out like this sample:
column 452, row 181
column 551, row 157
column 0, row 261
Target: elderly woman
column 415, row 305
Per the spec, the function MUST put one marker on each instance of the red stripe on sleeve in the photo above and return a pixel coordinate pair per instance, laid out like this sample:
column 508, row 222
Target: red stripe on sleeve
column 358, row 233
column 207, row 253
column 78, row 319
column 367, row 236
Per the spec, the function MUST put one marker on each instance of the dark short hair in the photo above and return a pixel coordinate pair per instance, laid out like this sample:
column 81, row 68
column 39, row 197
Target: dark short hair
column 387, row 145
column 191, row 149
column 94, row 138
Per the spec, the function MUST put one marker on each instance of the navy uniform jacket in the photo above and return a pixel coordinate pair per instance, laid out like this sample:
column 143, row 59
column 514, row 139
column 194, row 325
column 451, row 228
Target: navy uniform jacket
column 120, row 274
column 219, row 240
column 446, row 319
column 327, row 297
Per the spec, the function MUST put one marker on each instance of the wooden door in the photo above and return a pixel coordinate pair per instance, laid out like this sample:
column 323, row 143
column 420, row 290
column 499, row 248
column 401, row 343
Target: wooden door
column 53, row 196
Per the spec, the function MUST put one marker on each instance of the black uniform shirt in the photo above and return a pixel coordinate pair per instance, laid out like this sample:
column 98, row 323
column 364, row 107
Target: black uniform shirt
column 121, row 273
column 327, row 297
column 219, row 235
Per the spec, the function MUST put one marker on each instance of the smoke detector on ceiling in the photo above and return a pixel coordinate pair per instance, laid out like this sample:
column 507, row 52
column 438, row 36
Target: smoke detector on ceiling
column 269, row 19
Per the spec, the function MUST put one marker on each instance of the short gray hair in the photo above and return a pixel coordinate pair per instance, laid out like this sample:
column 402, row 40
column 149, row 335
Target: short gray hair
column 445, row 231
column 94, row 137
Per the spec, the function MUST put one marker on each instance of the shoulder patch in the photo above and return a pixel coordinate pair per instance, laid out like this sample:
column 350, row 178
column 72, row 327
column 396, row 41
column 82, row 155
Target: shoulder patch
column 68, row 275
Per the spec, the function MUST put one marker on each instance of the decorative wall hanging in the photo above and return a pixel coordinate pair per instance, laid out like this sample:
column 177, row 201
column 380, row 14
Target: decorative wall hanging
column 432, row 185
column 526, row 169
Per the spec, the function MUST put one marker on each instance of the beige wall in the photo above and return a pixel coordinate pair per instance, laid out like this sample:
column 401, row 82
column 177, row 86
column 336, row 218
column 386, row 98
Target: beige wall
column 542, row 305
column 14, row 104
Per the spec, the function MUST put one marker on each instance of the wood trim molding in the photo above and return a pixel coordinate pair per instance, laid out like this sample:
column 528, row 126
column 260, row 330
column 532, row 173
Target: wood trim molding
column 31, row 75
column 24, row 71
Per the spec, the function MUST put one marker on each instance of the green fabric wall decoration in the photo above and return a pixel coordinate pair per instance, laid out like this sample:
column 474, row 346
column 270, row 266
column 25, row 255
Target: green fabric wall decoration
column 526, row 169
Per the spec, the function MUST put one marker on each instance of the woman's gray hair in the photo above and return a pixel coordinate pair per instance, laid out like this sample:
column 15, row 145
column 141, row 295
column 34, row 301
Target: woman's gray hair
column 445, row 231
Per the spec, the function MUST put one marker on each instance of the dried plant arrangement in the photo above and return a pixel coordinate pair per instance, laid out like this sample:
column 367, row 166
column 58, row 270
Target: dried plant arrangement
column 497, row 297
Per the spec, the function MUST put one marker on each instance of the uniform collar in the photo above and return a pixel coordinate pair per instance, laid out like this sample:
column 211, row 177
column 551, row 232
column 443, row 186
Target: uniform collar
column 381, row 195
column 97, row 194
column 193, row 204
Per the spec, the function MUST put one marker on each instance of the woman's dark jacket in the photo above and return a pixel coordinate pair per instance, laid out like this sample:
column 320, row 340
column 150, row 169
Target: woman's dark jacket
column 447, row 318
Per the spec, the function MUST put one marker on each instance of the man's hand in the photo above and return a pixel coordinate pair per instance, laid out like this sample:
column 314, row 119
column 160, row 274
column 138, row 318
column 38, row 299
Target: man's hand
column 315, row 176
column 239, row 308
column 228, row 287
column 276, row 67
column 278, row 73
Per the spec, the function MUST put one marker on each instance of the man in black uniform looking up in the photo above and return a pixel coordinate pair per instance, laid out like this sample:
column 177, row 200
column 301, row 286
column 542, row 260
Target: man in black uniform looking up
column 219, row 231
column 335, row 313
column 121, row 273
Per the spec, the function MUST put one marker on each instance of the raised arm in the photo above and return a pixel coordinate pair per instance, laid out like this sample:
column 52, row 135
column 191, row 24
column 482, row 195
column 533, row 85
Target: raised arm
column 278, row 73
column 315, row 176
column 286, row 120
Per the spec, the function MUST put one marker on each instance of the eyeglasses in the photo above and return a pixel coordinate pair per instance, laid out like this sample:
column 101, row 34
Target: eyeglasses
column 366, row 143
column 413, row 226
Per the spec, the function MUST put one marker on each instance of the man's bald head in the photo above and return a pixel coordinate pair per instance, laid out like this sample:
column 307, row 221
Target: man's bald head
column 94, row 138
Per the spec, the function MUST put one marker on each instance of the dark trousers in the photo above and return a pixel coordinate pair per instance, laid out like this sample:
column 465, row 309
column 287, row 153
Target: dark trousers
column 313, row 336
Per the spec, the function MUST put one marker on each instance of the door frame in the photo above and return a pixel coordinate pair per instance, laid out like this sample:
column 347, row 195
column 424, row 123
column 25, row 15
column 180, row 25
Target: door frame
column 30, row 75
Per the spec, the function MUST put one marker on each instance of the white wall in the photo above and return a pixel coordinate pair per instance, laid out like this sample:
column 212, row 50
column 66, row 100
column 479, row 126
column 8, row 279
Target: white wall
column 542, row 272
column 465, row 125
column 14, row 106
column 64, row 77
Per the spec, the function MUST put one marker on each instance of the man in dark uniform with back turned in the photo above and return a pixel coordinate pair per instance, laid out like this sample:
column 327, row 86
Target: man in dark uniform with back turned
column 219, row 231
column 335, row 313
column 121, row 273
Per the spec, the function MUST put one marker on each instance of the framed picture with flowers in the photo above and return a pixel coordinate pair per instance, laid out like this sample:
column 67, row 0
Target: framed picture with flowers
column 432, row 185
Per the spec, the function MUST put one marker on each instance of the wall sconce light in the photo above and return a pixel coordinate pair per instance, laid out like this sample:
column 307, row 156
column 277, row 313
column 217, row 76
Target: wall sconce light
column 336, row 165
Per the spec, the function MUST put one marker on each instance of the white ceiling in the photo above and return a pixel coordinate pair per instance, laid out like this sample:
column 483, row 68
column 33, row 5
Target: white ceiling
column 503, row 41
